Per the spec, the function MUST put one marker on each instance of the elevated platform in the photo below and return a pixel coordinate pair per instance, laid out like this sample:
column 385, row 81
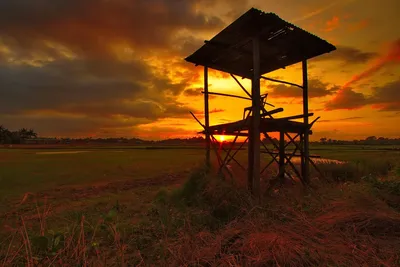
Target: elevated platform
column 267, row 125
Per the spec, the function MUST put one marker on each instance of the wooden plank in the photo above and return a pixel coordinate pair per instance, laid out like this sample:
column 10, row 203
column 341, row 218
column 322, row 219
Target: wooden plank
column 237, row 150
column 295, row 117
column 266, row 125
column 207, row 117
column 281, row 155
column 302, row 162
column 279, row 81
column 293, row 155
column 228, row 95
column 274, row 111
column 227, row 133
column 306, row 170
column 254, row 131
column 241, row 86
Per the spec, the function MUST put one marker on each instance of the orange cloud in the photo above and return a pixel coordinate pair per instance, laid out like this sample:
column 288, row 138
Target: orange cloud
column 317, row 11
column 332, row 24
column 162, row 132
column 200, row 115
column 362, row 24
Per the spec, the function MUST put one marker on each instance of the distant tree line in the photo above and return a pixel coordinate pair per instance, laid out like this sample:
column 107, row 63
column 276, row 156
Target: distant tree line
column 170, row 141
column 371, row 140
column 15, row 137
column 114, row 140
column 24, row 135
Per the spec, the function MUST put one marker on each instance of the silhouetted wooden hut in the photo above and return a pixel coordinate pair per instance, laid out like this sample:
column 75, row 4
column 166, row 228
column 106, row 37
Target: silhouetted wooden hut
column 253, row 45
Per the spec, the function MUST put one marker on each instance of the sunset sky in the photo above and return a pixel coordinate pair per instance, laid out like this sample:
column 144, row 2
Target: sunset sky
column 107, row 68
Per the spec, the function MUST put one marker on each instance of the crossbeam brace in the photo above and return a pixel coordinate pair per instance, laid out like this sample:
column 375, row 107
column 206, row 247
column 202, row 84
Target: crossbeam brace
column 228, row 95
column 241, row 86
column 279, row 81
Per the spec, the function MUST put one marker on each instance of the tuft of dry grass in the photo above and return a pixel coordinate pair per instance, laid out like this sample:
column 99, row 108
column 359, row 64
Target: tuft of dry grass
column 325, row 241
column 79, row 243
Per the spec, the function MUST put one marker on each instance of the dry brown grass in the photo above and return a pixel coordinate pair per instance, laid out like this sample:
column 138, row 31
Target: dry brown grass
column 336, row 239
column 332, row 225
column 212, row 223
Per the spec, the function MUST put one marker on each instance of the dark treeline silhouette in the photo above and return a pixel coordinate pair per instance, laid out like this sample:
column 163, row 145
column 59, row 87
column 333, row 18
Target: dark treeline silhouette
column 29, row 136
column 15, row 137
column 371, row 140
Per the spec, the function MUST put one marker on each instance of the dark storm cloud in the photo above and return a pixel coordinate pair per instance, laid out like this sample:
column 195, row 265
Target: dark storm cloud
column 348, row 55
column 78, row 86
column 240, row 6
column 188, row 45
column 59, row 57
column 388, row 93
column 60, row 125
column 347, row 99
column 382, row 98
column 316, row 89
column 85, row 96
column 88, row 27
column 196, row 92
column 387, row 97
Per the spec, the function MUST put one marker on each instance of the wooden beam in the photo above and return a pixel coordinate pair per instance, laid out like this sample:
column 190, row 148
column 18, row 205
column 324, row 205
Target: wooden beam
column 207, row 131
column 241, row 86
column 306, row 169
column 228, row 95
column 291, row 154
column 207, row 117
column 296, row 117
column 279, row 81
column 254, row 130
column 281, row 156
column 226, row 133
column 237, row 150
column 274, row 111
column 302, row 161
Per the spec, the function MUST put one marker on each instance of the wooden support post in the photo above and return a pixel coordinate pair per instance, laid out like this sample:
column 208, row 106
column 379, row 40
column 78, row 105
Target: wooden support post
column 281, row 156
column 206, row 117
column 254, row 130
column 302, row 162
column 306, row 166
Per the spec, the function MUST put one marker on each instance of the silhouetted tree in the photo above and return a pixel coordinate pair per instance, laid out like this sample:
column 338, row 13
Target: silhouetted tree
column 32, row 134
column 15, row 137
column 3, row 133
column 26, row 134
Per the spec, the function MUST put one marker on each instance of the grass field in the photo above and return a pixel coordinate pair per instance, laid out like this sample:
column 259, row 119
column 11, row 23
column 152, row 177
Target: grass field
column 139, row 199
column 34, row 170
